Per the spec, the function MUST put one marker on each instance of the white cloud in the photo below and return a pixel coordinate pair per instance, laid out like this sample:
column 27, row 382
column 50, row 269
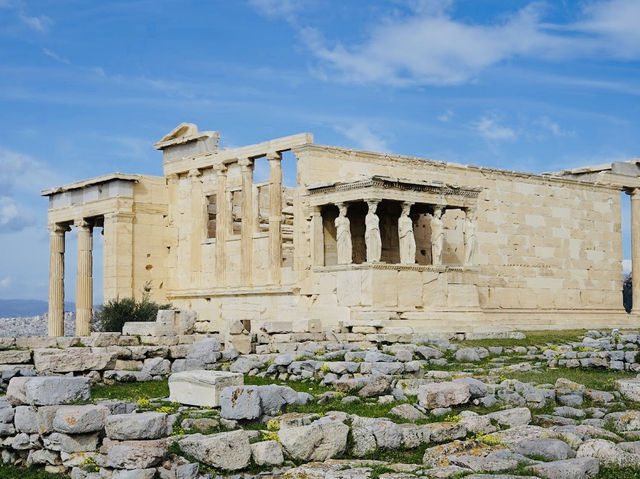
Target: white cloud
column 490, row 129
column 446, row 116
column 12, row 218
column 41, row 23
column 279, row 8
column 626, row 266
column 551, row 126
column 430, row 46
column 363, row 137
column 5, row 282
column 55, row 56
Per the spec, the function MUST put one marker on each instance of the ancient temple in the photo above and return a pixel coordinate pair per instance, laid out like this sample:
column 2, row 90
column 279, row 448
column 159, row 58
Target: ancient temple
column 362, row 238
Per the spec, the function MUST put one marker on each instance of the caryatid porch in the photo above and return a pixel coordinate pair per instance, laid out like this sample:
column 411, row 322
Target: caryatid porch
column 393, row 221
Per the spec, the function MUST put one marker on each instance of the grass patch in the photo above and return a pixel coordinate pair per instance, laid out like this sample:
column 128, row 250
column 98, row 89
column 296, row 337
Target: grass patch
column 534, row 338
column 11, row 472
column 614, row 472
column 603, row 379
column 131, row 391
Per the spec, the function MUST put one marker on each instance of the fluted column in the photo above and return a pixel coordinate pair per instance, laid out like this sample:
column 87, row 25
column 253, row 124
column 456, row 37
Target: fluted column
column 56, row 279
column 84, row 278
column 247, row 221
column 635, row 250
column 275, row 218
column 222, row 213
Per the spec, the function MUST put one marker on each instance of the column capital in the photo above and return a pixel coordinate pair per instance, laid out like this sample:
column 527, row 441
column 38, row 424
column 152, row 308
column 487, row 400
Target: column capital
column 634, row 193
column 194, row 173
column 173, row 176
column 81, row 223
column 57, row 228
column 220, row 169
column 274, row 156
column 245, row 162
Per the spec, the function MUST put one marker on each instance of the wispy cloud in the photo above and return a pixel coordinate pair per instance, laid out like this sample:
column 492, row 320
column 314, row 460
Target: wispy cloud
column 286, row 9
column 37, row 23
column 55, row 56
column 489, row 128
column 13, row 218
column 363, row 137
column 550, row 126
column 429, row 46
column 5, row 282
column 446, row 116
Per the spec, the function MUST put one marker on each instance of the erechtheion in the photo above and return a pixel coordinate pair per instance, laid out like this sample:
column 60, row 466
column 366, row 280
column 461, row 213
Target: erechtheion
column 363, row 238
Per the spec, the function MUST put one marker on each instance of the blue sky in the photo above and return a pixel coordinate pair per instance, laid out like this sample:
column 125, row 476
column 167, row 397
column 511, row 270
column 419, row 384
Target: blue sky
column 86, row 88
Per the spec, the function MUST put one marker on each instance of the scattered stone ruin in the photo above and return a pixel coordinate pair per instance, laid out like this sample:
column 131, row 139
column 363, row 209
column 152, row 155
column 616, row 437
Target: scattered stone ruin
column 362, row 239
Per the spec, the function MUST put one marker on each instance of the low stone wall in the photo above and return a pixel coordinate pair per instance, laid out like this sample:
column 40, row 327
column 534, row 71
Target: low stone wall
column 38, row 427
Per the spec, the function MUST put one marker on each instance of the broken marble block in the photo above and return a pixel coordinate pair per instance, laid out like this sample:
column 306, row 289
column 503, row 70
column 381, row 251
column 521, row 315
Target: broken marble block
column 201, row 387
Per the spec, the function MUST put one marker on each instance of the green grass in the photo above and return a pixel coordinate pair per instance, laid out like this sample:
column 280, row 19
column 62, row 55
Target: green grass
column 131, row 391
column 603, row 379
column 615, row 472
column 534, row 338
column 11, row 472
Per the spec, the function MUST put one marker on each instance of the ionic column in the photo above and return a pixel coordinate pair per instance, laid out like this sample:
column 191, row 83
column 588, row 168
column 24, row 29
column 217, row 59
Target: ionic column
column 635, row 250
column 222, row 213
column 247, row 221
column 317, row 237
column 56, row 279
column 84, row 278
column 275, row 218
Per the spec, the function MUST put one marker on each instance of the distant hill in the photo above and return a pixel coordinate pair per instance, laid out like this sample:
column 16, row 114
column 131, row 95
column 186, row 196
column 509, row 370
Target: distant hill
column 14, row 308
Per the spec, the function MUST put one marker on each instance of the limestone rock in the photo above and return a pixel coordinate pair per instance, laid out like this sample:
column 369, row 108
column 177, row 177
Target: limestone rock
column 15, row 356
column 79, row 419
column 578, row 468
column 608, row 453
column 512, row 417
column 201, row 387
column 408, row 412
column 77, row 443
column 267, row 453
column 133, row 454
column 372, row 433
column 629, row 388
column 240, row 402
column 318, row 441
column 436, row 395
column 48, row 390
column 471, row 354
column 229, row 451
column 146, row 425
column 73, row 359
column 549, row 449
column 156, row 366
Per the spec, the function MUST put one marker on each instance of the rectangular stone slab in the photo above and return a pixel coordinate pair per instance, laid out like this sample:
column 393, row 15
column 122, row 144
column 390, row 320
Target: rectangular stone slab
column 201, row 387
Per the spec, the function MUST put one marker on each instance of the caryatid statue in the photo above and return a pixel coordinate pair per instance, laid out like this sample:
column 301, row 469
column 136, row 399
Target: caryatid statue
column 469, row 231
column 405, row 233
column 372, row 233
column 437, row 236
column 343, row 236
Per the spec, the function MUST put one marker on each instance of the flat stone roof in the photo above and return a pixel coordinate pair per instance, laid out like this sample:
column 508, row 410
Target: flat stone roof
column 90, row 182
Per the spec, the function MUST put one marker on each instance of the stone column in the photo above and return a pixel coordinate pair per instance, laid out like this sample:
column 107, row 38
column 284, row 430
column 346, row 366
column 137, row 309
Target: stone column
column 275, row 218
column 372, row 233
column 635, row 250
column 469, row 233
column 406, row 237
column 84, row 278
column 197, row 226
column 247, row 221
column 56, row 279
column 437, row 235
column 343, row 236
column 317, row 237
column 222, row 221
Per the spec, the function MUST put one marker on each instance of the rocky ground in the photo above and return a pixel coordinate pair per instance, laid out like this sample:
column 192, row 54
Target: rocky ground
column 547, row 406
column 33, row 326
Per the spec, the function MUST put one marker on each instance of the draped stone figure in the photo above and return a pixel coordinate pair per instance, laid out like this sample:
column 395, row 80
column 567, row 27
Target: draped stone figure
column 343, row 236
column 405, row 234
column 437, row 236
column 372, row 233
column 469, row 231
